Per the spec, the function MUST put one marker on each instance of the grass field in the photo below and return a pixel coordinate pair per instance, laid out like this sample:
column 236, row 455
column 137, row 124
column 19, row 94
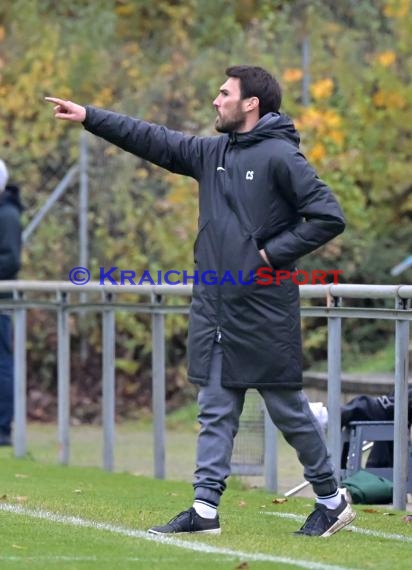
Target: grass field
column 134, row 448
column 86, row 519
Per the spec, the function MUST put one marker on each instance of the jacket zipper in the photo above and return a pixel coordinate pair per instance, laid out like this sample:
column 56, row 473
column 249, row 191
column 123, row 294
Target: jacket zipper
column 218, row 333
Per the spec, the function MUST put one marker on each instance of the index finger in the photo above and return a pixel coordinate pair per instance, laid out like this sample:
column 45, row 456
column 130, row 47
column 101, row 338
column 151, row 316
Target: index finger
column 55, row 100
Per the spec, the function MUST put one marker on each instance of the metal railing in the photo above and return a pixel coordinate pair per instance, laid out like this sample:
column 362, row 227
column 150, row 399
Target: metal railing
column 333, row 310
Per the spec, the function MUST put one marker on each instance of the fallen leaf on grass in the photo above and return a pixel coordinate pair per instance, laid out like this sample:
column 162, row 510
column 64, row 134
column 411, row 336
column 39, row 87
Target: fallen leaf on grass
column 242, row 504
column 21, row 476
column 19, row 547
column 78, row 491
column 407, row 518
column 242, row 566
column 375, row 511
column 20, row 499
column 279, row 501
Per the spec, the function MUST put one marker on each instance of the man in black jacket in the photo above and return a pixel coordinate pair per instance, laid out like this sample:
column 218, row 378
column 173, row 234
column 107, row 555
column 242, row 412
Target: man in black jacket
column 260, row 203
column 10, row 247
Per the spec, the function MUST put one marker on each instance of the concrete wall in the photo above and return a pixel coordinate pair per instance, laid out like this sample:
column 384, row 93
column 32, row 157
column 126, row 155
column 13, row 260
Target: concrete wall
column 315, row 385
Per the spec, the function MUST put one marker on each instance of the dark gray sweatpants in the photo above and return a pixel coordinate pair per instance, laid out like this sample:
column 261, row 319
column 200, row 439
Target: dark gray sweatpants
column 219, row 412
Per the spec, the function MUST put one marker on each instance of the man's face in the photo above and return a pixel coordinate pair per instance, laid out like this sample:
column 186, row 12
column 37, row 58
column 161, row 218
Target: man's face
column 231, row 115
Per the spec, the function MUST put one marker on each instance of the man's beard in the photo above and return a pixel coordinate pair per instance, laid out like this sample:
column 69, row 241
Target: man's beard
column 230, row 125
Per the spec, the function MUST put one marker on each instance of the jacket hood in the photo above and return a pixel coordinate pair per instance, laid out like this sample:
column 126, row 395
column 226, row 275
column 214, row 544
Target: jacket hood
column 11, row 195
column 271, row 125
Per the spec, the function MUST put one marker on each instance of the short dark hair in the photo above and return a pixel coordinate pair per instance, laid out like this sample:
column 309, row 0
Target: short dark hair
column 257, row 82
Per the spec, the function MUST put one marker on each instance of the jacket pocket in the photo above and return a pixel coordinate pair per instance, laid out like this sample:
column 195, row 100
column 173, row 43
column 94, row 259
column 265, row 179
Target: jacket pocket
column 262, row 261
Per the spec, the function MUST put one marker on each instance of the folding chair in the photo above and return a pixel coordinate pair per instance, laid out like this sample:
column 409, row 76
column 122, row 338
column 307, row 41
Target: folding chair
column 355, row 438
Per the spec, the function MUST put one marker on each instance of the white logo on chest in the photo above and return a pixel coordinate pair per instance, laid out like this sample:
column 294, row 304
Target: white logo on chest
column 249, row 175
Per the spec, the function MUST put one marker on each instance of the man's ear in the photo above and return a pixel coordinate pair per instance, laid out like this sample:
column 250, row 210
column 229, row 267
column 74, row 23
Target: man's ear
column 252, row 104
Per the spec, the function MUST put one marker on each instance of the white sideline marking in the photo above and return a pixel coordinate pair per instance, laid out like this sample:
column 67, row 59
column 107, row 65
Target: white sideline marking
column 116, row 560
column 169, row 540
column 64, row 559
column 368, row 532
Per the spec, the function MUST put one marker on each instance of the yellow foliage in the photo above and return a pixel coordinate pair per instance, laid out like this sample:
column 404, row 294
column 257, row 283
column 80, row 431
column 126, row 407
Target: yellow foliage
column 317, row 152
column 322, row 89
column 133, row 72
column 337, row 137
column 177, row 196
column 333, row 29
column 141, row 173
column 379, row 98
column 331, row 118
column 104, row 98
column 319, row 120
column 320, row 124
column 310, row 119
column 126, row 10
column 386, row 58
column 292, row 75
column 396, row 8
column 388, row 99
column 111, row 151
column 132, row 48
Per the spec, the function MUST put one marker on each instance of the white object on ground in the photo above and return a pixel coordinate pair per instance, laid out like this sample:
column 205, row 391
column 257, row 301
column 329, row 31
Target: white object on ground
column 320, row 412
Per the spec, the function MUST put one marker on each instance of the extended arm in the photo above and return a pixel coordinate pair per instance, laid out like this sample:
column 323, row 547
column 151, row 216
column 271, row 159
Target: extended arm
column 169, row 149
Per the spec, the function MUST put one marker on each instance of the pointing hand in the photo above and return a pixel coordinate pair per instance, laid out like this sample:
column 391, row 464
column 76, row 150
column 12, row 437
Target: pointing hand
column 67, row 110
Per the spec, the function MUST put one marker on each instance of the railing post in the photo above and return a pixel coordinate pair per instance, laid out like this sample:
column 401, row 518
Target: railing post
column 400, row 447
column 334, row 385
column 52, row 198
column 63, row 378
column 271, row 454
column 20, row 378
column 83, row 202
column 83, row 235
column 108, row 383
column 158, row 387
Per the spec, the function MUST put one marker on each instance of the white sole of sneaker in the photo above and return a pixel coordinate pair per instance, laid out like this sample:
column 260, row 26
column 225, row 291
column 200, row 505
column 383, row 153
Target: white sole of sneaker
column 211, row 531
column 345, row 518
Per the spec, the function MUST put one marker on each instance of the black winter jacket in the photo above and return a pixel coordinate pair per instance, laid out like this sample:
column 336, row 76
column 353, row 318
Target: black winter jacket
column 256, row 190
column 10, row 234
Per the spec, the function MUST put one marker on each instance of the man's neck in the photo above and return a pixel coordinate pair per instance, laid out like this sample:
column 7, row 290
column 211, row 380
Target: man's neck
column 249, row 123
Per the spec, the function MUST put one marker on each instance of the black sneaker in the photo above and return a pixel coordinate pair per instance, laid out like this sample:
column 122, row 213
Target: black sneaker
column 188, row 521
column 325, row 522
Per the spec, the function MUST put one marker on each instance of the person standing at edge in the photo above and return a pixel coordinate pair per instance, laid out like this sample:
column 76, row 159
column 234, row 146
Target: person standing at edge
column 260, row 203
column 10, row 250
